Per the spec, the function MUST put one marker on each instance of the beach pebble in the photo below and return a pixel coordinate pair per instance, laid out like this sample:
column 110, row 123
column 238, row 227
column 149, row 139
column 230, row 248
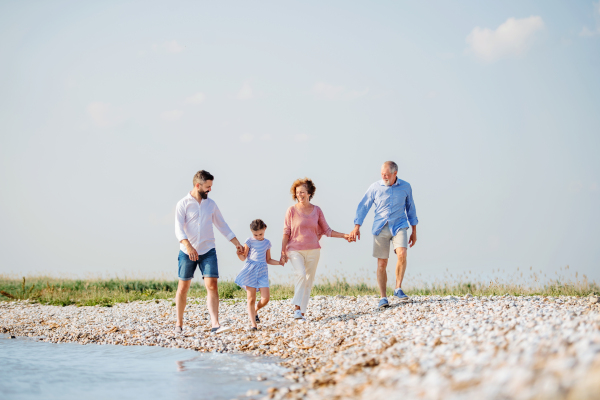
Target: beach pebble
column 434, row 347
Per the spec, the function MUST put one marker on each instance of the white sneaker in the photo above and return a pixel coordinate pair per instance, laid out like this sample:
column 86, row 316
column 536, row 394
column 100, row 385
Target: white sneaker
column 220, row 329
column 298, row 314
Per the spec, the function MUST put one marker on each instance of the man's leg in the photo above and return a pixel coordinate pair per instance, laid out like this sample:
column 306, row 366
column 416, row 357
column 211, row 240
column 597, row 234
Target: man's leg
column 212, row 300
column 381, row 251
column 181, row 299
column 400, row 266
column 382, row 275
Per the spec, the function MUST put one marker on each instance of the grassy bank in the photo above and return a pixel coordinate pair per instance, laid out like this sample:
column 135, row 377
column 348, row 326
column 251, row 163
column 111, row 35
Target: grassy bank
column 65, row 292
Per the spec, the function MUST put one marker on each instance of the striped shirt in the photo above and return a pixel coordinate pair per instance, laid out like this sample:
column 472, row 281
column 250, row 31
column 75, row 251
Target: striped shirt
column 255, row 272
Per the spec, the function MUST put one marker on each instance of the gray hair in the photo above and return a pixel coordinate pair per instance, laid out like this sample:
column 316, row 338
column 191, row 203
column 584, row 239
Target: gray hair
column 393, row 167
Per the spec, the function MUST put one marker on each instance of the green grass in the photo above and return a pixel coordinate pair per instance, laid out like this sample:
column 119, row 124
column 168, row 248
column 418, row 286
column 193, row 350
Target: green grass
column 92, row 292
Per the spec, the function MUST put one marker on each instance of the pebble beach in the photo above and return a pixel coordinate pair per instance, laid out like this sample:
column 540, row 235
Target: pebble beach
column 432, row 347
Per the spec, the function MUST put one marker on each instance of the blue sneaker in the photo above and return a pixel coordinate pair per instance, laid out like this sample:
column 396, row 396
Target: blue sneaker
column 383, row 303
column 400, row 294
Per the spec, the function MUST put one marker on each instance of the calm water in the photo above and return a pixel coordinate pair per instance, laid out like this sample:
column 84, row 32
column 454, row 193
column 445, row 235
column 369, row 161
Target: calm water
column 38, row 370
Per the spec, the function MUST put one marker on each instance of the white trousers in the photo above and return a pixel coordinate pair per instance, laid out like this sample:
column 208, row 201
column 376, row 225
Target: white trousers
column 304, row 263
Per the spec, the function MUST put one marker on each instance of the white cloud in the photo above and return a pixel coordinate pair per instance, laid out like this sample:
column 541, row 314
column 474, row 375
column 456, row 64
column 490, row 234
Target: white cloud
column 104, row 114
column 173, row 47
column 586, row 32
column 328, row 91
column 513, row 38
column 245, row 92
column 301, row 137
column 247, row 137
column 196, row 98
column 172, row 115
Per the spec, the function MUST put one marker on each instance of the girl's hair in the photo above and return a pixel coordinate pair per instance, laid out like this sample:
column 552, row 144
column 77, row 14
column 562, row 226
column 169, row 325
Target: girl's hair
column 310, row 187
column 257, row 225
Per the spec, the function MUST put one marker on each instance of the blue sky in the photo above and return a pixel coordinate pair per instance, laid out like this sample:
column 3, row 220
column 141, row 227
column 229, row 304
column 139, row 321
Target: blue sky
column 107, row 110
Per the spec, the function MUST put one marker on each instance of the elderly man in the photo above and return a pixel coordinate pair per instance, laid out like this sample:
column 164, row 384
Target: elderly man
column 195, row 215
column 394, row 211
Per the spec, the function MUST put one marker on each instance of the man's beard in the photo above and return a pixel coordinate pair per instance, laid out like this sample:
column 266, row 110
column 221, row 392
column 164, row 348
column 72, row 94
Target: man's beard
column 202, row 194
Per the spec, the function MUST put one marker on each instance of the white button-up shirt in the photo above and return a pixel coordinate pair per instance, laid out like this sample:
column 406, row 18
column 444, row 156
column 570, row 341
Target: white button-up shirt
column 194, row 222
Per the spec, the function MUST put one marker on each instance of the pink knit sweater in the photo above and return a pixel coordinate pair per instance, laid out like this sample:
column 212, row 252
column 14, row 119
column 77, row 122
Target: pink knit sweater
column 305, row 230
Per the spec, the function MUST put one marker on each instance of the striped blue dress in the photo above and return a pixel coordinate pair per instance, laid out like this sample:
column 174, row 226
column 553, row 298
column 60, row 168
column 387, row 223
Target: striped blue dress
column 255, row 272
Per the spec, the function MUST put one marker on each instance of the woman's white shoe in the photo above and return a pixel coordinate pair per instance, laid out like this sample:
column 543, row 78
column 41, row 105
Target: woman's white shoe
column 298, row 314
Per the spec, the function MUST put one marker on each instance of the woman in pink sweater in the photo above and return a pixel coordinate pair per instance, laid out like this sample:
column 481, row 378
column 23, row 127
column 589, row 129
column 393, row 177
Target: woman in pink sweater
column 304, row 226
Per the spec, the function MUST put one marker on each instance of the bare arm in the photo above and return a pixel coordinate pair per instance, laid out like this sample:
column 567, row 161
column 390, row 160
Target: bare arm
column 336, row 234
column 242, row 256
column 284, row 243
column 270, row 261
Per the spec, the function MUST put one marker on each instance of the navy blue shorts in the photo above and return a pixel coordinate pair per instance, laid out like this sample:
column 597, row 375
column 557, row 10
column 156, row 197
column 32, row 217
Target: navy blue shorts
column 206, row 262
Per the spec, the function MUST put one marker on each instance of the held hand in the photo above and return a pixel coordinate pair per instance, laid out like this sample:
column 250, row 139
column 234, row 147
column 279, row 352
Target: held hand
column 192, row 253
column 349, row 238
column 355, row 234
column 281, row 262
column 239, row 249
column 284, row 257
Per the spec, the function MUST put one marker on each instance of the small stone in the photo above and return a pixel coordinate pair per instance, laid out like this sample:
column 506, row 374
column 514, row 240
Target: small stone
column 252, row 392
column 593, row 299
column 446, row 332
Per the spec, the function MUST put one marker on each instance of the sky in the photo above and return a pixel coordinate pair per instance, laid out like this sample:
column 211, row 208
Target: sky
column 108, row 109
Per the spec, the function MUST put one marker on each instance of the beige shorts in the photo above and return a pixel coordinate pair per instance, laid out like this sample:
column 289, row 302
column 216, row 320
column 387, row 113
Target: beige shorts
column 381, row 242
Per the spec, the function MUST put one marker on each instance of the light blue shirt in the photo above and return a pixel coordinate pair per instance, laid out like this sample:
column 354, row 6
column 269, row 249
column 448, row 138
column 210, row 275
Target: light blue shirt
column 394, row 205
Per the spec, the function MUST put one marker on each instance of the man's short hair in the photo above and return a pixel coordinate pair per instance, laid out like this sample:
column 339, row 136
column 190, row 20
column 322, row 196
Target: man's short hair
column 202, row 176
column 392, row 166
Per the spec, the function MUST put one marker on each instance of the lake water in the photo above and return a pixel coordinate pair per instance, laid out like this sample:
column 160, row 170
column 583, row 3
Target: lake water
column 36, row 370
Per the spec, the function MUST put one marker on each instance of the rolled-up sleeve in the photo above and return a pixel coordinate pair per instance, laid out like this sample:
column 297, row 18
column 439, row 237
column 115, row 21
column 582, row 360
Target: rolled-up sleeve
column 411, row 211
column 180, row 221
column 324, row 228
column 221, row 225
column 364, row 206
column 287, row 223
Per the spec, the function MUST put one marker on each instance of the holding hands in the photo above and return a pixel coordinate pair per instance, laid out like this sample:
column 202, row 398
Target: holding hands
column 355, row 234
column 284, row 258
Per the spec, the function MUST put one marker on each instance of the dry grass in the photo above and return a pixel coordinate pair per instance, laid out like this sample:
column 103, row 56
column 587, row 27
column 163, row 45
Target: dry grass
column 106, row 292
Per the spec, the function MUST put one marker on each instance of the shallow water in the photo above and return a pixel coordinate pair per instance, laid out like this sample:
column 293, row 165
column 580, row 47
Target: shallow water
column 37, row 370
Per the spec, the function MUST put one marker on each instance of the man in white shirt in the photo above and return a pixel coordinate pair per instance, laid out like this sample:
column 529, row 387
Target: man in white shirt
column 194, row 218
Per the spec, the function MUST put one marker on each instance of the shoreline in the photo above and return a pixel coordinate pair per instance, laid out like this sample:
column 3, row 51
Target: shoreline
column 430, row 347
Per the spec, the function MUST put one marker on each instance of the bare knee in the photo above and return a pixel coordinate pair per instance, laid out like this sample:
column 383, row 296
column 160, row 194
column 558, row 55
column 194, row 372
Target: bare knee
column 211, row 284
column 382, row 264
column 183, row 287
column 401, row 254
column 251, row 296
column 264, row 297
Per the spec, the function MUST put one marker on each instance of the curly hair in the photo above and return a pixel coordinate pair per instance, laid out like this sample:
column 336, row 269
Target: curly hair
column 310, row 187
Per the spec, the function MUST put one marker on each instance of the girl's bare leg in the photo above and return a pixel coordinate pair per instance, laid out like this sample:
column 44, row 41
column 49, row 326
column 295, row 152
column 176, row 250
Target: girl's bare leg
column 264, row 298
column 251, row 293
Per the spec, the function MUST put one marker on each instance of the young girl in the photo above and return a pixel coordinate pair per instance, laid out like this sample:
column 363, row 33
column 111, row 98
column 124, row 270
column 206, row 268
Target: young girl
column 255, row 273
